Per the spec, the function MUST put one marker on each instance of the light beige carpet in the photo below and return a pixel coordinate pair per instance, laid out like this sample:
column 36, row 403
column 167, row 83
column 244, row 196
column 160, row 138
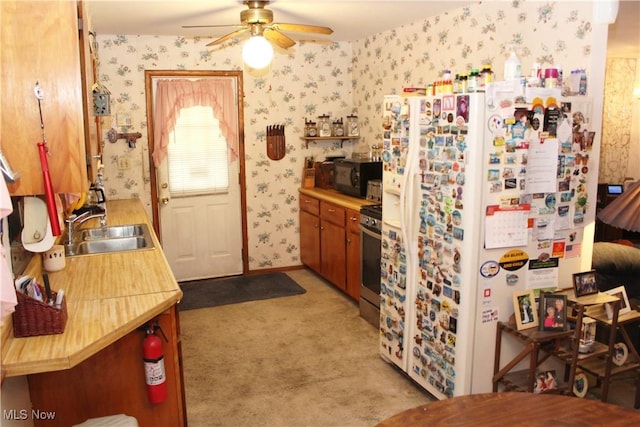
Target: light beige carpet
column 305, row 360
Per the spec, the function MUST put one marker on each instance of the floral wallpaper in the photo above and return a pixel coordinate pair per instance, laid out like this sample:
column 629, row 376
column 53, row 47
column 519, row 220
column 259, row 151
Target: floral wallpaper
column 617, row 120
column 338, row 79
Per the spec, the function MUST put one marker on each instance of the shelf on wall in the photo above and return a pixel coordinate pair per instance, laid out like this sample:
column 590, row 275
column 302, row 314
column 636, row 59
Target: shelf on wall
column 328, row 138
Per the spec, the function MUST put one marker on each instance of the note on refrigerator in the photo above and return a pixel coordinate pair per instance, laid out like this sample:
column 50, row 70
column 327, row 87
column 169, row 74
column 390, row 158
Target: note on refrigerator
column 542, row 166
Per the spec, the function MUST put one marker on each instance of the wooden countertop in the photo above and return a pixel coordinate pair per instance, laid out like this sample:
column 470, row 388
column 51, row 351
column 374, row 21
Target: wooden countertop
column 337, row 197
column 108, row 296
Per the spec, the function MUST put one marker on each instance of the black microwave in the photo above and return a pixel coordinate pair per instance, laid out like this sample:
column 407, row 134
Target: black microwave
column 351, row 176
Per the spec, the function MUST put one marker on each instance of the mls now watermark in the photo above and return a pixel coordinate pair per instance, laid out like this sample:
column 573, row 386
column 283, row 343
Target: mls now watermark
column 24, row 414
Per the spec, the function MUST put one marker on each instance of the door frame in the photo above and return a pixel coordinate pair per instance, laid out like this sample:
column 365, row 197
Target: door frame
column 237, row 75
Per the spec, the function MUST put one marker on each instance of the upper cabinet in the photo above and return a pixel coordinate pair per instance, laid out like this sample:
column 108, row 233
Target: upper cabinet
column 40, row 44
column 88, row 70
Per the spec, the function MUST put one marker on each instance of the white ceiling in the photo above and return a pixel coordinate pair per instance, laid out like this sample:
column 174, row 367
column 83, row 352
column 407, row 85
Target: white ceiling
column 349, row 19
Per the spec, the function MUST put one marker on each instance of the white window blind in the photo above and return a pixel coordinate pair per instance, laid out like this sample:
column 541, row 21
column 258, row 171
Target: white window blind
column 197, row 157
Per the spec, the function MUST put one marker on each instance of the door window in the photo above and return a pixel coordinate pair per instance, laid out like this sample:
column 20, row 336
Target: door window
column 197, row 156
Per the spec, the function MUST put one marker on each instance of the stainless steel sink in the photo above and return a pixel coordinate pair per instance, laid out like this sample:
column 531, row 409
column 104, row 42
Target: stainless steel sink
column 111, row 232
column 110, row 239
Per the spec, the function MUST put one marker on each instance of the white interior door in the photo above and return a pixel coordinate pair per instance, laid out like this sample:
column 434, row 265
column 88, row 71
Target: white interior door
column 199, row 200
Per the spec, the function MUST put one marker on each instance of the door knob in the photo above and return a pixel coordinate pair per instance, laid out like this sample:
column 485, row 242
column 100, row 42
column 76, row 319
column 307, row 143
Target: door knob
column 165, row 201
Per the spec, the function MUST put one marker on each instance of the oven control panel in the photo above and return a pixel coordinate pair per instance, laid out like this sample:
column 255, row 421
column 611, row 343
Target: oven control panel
column 371, row 223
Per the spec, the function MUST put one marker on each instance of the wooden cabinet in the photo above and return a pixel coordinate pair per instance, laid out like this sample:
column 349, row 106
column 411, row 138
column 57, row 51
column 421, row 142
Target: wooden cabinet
column 113, row 382
column 333, row 245
column 330, row 242
column 89, row 74
column 40, row 44
column 310, row 232
column 353, row 254
column 310, row 240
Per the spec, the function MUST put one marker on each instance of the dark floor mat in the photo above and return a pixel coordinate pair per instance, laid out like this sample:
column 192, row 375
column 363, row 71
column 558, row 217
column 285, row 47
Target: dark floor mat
column 215, row 292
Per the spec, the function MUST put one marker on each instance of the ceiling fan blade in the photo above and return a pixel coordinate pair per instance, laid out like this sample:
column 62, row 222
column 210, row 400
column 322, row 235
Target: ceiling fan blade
column 302, row 28
column 228, row 36
column 215, row 26
column 278, row 38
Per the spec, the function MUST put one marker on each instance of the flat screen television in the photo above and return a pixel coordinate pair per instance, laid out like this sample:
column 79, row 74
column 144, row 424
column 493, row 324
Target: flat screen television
column 614, row 189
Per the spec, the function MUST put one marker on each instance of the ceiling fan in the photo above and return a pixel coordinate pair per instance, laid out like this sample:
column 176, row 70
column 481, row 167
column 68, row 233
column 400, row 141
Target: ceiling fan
column 258, row 21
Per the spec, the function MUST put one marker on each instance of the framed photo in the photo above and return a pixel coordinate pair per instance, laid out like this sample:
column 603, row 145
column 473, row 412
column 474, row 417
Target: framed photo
column 585, row 283
column 623, row 304
column 553, row 312
column 524, row 307
column 545, row 381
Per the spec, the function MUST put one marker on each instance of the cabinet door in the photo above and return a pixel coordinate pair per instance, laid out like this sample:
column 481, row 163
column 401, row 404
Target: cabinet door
column 40, row 44
column 353, row 254
column 333, row 253
column 112, row 382
column 89, row 73
column 310, row 240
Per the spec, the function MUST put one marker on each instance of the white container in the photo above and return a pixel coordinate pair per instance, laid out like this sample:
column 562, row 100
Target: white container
column 513, row 67
column 53, row 259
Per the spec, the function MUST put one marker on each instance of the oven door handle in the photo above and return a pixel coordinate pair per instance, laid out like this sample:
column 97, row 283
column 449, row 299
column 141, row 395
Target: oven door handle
column 370, row 233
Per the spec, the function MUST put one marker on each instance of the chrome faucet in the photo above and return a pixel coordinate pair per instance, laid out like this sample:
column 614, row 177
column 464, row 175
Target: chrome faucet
column 75, row 221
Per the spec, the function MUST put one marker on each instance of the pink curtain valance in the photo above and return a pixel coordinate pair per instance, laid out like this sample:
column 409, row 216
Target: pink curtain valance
column 173, row 95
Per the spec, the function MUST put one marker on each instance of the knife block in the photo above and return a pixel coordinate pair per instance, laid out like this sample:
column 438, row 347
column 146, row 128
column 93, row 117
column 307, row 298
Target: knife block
column 32, row 317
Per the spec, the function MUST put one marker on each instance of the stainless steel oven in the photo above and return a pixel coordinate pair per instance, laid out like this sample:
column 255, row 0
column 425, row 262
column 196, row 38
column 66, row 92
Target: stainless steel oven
column 370, row 229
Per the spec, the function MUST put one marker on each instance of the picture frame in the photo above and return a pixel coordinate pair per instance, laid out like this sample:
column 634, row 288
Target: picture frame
column 545, row 381
column 524, row 307
column 553, row 312
column 623, row 304
column 585, row 283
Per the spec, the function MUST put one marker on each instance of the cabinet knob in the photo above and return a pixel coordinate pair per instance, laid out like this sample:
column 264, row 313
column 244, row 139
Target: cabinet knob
column 165, row 201
column 164, row 186
column 331, row 210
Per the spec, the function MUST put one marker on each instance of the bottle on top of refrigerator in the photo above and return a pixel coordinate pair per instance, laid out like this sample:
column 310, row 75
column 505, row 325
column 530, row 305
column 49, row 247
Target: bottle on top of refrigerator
column 472, row 82
column 512, row 67
column 464, row 79
column 486, row 75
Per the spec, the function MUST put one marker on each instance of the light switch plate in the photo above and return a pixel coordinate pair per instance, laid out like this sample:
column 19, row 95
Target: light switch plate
column 123, row 120
column 124, row 162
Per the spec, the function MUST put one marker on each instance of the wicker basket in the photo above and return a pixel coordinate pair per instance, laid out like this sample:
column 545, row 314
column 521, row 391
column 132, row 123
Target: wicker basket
column 32, row 317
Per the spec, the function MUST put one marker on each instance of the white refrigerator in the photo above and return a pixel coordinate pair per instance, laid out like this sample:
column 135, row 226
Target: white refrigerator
column 484, row 194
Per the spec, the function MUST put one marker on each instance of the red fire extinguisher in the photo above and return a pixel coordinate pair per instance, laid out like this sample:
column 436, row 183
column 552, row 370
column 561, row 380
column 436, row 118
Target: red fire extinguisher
column 153, row 357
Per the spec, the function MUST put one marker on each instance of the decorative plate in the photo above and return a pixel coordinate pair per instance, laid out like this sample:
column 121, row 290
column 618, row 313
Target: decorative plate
column 580, row 385
column 620, row 353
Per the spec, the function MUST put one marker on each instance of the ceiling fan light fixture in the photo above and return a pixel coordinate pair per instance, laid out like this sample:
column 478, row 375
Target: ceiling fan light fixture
column 257, row 52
